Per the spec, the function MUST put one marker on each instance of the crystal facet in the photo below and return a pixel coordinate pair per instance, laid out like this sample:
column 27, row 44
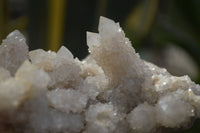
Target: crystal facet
column 111, row 91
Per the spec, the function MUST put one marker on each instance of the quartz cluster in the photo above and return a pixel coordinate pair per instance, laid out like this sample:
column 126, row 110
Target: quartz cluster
column 111, row 91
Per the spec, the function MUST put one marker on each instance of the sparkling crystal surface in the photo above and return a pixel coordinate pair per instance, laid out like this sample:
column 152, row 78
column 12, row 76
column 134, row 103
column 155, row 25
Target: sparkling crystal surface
column 111, row 91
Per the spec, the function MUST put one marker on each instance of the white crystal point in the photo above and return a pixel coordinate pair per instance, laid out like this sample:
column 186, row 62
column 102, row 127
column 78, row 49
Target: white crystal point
column 66, row 70
column 13, row 51
column 64, row 56
column 43, row 59
column 16, row 35
column 104, row 21
column 108, row 28
column 93, row 40
column 115, row 54
column 106, row 25
column 64, row 53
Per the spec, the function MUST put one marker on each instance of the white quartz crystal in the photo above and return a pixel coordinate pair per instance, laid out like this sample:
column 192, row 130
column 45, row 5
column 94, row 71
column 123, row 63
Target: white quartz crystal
column 172, row 112
column 101, row 118
column 142, row 118
column 13, row 51
column 62, row 99
column 111, row 91
column 43, row 59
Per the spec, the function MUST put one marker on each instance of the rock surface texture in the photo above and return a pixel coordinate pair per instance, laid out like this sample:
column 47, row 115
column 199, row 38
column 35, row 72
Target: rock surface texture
column 111, row 91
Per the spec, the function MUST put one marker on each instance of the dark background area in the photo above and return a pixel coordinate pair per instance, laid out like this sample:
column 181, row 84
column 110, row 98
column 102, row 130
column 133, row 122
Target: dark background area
column 166, row 32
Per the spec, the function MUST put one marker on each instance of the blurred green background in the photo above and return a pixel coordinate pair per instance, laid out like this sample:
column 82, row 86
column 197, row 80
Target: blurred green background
column 166, row 32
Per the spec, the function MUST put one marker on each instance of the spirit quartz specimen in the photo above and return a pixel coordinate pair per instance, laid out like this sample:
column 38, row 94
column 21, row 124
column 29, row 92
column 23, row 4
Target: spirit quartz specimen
column 111, row 91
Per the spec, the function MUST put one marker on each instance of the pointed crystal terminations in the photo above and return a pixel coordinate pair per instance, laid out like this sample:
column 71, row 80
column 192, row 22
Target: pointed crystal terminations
column 111, row 91
column 13, row 51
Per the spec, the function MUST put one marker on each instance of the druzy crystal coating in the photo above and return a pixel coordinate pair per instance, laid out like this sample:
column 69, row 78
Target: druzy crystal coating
column 111, row 91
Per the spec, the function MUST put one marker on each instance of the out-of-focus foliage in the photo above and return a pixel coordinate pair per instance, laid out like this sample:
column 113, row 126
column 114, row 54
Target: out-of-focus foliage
column 154, row 24
column 140, row 20
column 151, row 25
